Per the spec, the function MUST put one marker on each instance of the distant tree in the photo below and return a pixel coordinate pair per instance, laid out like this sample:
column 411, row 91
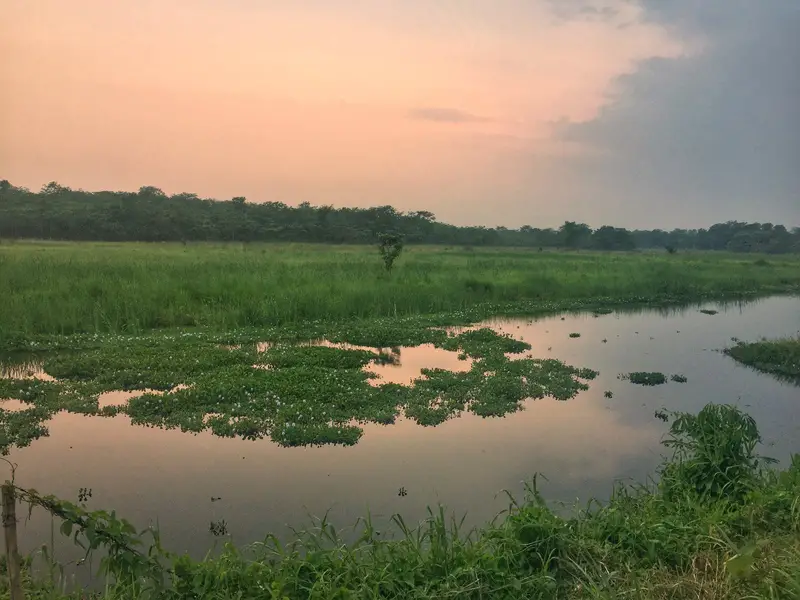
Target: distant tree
column 53, row 188
column 424, row 215
column 390, row 245
column 151, row 191
column 574, row 235
column 613, row 238
column 58, row 212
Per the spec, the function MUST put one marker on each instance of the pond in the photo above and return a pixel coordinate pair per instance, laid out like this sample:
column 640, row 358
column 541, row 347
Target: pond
column 184, row 481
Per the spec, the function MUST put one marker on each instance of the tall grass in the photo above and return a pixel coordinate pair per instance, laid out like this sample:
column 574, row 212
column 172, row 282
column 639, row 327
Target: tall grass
column 90, row 287
column 718, row 525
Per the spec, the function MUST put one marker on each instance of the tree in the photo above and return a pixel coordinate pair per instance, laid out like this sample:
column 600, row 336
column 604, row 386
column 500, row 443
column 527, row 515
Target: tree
column 53, row 188
column 612, row 238
column 574, row 235
column 390, row 245
column 58, row 212
column 151, row 191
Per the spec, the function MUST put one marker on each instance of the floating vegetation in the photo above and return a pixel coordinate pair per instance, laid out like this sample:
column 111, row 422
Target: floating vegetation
column 608, row 394
column 574, row 335
column 780, row 357
column 678, row 378
column 644, row 377
column 218, row 528
column 293, row 393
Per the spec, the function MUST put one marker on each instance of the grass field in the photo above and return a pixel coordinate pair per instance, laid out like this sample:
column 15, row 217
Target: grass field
column 64, row 288
column 99, row 317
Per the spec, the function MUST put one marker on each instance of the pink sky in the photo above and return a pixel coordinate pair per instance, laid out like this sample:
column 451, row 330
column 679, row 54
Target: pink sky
column 312, row 101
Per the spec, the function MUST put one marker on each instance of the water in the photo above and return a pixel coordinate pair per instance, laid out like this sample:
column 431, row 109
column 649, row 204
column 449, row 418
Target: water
column 581, row 445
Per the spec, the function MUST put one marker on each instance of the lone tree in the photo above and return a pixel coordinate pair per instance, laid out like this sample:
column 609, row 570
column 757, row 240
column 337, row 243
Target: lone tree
column 390, row 245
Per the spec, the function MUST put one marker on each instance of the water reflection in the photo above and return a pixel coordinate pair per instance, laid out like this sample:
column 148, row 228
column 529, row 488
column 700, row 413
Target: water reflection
column 148, row 474
column 14, row 405
column 120, row 397
column 407, row 364
column 581, row 445
column 22, row 367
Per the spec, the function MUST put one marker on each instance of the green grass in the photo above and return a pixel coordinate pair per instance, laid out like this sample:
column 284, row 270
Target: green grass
column 719, row 524
column 103, row 317
column 64, row 288
column 778, row 357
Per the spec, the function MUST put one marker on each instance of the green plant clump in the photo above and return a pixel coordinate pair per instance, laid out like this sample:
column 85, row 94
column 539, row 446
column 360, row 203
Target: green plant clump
column 645, row 378
column 779, row 357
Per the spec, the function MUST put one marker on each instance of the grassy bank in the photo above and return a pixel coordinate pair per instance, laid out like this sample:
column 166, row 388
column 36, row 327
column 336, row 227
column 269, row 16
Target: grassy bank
column 779, row 357
column 63, row 288
column 719, row 524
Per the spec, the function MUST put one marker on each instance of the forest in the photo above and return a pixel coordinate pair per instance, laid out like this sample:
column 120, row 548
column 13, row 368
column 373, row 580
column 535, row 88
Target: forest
column 57, row 212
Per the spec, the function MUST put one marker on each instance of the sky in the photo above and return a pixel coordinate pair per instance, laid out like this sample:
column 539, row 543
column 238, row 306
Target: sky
column 635, row 113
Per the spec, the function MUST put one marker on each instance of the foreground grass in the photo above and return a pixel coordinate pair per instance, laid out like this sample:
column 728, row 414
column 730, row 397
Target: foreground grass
column 718, row 525
column 64, row 288
column 779, row 357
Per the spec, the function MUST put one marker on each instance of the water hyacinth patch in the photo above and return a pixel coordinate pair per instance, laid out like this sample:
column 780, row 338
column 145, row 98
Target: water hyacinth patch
column 780, row 357
column 294, row 393
column 644, row 378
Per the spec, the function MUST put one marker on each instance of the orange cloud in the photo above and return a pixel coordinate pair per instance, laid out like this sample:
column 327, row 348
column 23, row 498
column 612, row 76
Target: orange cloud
column 302, row 102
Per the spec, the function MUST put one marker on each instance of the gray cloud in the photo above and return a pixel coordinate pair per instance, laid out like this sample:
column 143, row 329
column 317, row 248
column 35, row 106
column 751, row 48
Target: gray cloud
column 445, row 115
column 584, row 10
column 705, row 137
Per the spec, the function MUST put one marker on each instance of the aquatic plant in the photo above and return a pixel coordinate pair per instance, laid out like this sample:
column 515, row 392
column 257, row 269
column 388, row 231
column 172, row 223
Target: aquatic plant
column 780, row 357
column 293, row 393
column 644, row 377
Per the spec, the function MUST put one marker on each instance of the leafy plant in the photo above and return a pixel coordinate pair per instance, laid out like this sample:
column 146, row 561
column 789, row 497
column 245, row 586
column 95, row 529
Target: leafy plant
column 649, row 378
column 714, row 453
column 390, row 245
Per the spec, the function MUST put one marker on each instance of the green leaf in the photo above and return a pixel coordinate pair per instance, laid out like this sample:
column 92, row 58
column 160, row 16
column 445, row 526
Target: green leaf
column 66, row 528
column 739, row 565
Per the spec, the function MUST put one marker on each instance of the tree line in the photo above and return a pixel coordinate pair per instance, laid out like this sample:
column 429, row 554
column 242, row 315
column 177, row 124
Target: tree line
column 60, row 213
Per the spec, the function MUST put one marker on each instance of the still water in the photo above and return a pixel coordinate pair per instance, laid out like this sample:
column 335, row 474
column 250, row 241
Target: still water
column 581, row 446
